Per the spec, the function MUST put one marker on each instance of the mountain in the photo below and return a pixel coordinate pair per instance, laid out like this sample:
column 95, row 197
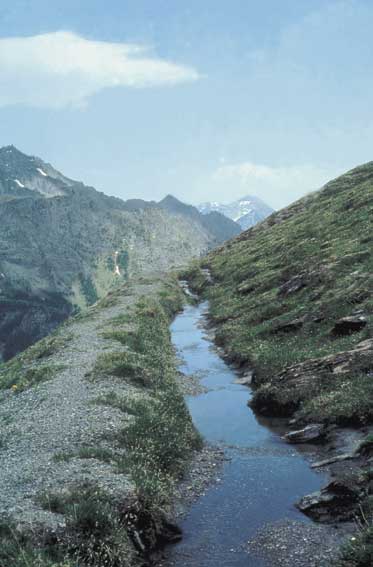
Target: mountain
column 63, row 245
column 215, row 222
column 291, row 300
column 247, row 211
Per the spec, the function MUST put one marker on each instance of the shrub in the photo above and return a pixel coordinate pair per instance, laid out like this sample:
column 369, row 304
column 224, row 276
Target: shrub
column 358, row 551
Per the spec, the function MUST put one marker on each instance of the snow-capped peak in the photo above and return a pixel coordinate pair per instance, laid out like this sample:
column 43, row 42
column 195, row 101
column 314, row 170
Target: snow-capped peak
column 246, row 211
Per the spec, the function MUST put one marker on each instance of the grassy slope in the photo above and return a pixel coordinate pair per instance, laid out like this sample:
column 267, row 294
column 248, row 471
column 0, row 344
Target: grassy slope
column 326, row 239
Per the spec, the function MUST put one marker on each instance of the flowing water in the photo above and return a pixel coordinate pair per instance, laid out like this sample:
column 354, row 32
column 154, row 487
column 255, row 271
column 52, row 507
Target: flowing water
column 263, row 477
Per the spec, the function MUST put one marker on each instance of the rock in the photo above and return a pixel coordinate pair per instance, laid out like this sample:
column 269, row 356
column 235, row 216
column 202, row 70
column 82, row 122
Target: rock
column 206, row 272
column 335, row 459
column 311, row 278
column 293, row 285
column 339, row 500
column 349, row 325
column 283, row 394
column 246, row 287
column 313, row 432
column 289, row 326
column 246, row 379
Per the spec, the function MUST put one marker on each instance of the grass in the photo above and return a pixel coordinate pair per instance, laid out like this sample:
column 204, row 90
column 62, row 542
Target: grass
column 98, row 453
column 160, row 437
column 358, row 551
column 16, row 550
column 153, row 446
column 112, row 399
column 311, row 262
column 125, row 365
column 29, row 368
column 317, row 244
column 47, row 346
column 349, row 402
column 96, row 532
column 88, row 289
column 85, row 452
column 366, row 446
column 63, row 457
column 195, row 277
column 16, row 376
column 159, row 442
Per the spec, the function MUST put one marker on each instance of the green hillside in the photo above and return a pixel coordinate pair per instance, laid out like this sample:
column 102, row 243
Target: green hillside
column 292, row 300
column 279, row 288
column 292, row 303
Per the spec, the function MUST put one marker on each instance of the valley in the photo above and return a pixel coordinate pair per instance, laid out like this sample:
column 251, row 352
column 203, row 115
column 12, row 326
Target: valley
column 58, row 244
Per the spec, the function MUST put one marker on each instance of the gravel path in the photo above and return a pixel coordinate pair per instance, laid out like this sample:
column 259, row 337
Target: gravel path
column 299, row 544
column 59, row 417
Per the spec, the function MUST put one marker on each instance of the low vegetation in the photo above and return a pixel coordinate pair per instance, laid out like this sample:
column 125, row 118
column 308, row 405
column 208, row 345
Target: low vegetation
column 280, row 288
column 30, row 368
column 152, row 447
column 96, row 534
column 358, row 551
column 279, row 298
column 160, row 437
column 16, row 377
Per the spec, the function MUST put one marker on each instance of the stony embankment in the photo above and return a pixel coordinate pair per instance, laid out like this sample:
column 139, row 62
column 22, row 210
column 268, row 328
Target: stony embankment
column 94, row 436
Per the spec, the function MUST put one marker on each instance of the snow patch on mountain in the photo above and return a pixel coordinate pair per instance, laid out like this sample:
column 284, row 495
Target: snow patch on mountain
column 247, row 211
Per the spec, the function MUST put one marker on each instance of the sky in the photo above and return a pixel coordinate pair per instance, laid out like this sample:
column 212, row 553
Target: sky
column 203, row 99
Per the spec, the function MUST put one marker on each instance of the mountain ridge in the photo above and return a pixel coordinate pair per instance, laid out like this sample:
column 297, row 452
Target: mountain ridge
column 246, row 211
column 60, row 241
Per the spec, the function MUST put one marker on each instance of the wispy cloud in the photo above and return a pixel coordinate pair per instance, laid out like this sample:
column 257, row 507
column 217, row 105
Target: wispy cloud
column 276, row 185
column 61, row 68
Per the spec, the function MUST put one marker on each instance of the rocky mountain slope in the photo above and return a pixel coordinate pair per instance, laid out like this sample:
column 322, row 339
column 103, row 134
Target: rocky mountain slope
column 247, row 211
column 63, row 245
column 292, row 299
column 213, row 221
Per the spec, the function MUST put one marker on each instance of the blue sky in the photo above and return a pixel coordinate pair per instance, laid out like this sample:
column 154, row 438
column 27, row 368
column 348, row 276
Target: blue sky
column 207, row 99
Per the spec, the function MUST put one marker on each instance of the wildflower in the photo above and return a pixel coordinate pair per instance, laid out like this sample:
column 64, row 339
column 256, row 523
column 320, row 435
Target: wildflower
column 14, row 387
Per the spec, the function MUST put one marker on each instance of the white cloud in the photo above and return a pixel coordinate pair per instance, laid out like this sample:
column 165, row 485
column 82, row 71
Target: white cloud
column 61, row 68
column 276, row 185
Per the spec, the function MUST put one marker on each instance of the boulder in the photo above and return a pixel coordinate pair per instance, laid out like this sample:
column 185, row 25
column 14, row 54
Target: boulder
column 332, row 460
column 282, row 395
column 310, row 433
column 339, row 500
column 349, row 325
column 293, row 285
column 246, row 287
column 246, row 379
column 289, row 326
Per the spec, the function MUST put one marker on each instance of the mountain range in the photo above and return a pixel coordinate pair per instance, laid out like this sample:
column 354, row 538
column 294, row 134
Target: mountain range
column 63, row 244
column 247, row 211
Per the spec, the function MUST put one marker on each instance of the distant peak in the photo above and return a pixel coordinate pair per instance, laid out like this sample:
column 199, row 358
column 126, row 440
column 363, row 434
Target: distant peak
column 10, row 148
column 170, row 198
